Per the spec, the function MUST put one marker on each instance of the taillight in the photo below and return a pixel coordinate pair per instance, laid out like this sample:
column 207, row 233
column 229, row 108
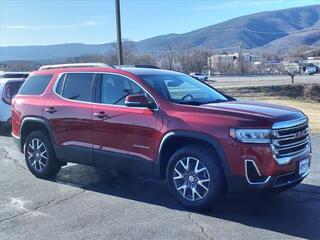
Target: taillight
column 6, row 94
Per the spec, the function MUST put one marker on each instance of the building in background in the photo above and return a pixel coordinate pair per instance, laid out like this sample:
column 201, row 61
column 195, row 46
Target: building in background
column 233, row 58
column 291, row 66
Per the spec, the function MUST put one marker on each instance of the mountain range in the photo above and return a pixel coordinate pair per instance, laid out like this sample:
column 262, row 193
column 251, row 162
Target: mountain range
column 276, row 30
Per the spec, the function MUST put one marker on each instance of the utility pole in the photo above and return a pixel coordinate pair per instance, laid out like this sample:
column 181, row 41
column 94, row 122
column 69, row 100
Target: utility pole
column 119, row 40
column 240, row 59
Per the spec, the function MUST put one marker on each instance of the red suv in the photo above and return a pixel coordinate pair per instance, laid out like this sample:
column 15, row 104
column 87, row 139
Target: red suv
column 158, row 123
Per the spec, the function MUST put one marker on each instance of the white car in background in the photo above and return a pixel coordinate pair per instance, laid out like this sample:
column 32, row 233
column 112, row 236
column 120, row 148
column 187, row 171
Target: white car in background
column 310, row 70
column 199, row 76
column 10, row 84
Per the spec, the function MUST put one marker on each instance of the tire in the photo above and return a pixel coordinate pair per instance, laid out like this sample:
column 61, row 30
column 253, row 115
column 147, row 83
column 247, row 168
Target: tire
column 40, row 157
column 210, row 191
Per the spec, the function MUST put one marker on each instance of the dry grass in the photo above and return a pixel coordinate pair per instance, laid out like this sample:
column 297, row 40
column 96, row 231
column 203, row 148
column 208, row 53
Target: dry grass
column 312, row 110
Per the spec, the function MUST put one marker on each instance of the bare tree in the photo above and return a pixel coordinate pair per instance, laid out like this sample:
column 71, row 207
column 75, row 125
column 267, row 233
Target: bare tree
column 128, row 48
column 168, row 58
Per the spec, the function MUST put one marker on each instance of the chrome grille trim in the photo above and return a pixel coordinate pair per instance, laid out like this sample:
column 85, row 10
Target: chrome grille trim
column 292, row 145
column 292, row 136
column 291, row 140
column 294, row 153
column 290, row 128
column 290, row 123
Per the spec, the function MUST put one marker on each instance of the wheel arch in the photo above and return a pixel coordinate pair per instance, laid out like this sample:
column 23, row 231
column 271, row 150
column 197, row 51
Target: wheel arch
column 31, row 124
column 176, row 139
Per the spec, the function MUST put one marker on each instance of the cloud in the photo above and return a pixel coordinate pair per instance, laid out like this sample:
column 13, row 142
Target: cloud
column 16, row 27
column 88, row 23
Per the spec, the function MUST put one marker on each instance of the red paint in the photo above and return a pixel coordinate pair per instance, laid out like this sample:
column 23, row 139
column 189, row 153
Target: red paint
column 139, row 131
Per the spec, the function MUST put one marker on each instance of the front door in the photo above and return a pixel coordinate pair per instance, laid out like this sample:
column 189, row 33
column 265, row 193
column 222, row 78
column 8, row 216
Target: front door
column 124, row 136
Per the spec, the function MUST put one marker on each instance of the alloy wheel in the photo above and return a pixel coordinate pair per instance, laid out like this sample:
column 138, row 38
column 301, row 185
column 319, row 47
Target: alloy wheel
column 191, row 179
column 37, row 154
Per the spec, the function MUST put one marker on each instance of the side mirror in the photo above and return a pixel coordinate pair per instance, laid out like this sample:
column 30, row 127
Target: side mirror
column 137, row 100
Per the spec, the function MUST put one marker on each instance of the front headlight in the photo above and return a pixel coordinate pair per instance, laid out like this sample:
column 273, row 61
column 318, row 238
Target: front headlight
column 251, row 135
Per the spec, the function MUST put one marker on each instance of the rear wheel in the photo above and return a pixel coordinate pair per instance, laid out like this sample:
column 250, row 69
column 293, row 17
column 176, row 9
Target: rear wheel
column 40, row 157
column 195, row 177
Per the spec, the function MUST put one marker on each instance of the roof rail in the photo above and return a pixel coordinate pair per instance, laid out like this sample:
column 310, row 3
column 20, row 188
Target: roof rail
column 136, row 66
column 72, row 65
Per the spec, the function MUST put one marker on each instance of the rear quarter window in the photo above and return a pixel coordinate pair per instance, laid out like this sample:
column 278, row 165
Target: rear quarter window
column 35, row 85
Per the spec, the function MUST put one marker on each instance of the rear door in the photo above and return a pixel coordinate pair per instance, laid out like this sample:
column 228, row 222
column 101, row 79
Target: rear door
column 124, row 136
column 69, row 111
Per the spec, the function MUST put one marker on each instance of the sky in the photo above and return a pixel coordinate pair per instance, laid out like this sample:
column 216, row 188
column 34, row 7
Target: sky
column 46, row 22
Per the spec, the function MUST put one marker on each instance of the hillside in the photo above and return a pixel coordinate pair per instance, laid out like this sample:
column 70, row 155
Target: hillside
column 256, row 30
column 280, row 29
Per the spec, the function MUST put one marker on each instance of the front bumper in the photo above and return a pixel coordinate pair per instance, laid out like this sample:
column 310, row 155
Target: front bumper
column 243, row 184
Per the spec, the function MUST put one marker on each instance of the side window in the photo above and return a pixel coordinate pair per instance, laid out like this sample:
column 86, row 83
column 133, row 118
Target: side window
column 114, row 89
column 77, row 86
column 35, row 85
column 60, row 84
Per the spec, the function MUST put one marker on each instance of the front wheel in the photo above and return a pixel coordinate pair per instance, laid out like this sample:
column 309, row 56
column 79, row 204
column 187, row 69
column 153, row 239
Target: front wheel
column 195, row 177
column 40, row 157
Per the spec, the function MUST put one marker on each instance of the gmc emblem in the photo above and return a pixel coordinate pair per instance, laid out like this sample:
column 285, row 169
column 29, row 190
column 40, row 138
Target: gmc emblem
column 300, row 134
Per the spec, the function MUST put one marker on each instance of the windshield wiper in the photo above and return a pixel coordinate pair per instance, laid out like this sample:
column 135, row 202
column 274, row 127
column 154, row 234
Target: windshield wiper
column 195, row 103
column 74, row 97
column 216, row 101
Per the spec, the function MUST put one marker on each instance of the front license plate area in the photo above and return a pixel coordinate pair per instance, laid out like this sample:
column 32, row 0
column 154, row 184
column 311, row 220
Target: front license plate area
column 303, row 166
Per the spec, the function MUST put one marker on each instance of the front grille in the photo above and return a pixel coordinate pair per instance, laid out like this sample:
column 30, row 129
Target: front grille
column 290, row 141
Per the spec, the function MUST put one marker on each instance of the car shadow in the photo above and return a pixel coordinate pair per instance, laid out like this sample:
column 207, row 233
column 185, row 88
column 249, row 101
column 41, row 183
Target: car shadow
column 295, row 212
column 5, row 133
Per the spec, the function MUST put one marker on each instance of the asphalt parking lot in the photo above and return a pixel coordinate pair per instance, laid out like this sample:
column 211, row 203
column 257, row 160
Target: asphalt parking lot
column 84, row 203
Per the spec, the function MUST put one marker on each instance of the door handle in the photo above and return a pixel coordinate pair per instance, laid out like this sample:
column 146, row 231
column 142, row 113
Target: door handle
column 50, row 109
column 101, row 115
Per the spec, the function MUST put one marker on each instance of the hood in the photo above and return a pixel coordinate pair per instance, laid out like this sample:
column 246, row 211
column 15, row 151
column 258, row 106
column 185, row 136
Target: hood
column 255, row 110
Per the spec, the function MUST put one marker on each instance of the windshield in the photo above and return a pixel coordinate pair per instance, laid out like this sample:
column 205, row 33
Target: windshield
column 182, row 89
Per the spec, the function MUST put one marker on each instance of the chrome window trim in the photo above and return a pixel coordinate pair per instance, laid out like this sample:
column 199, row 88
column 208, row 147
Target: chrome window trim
column 103, row 104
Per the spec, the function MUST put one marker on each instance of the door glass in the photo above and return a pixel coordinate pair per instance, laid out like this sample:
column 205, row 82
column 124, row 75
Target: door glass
column 78, row 86
column 114, row 89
